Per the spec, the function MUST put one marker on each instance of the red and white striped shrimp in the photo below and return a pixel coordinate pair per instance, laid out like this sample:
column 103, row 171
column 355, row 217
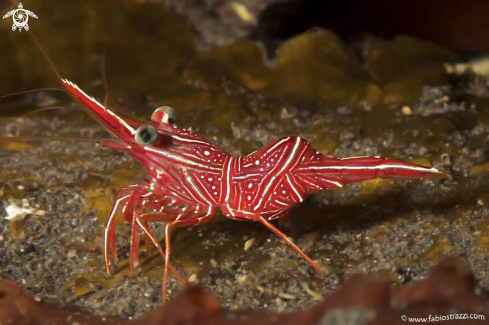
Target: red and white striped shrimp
column 188, row 177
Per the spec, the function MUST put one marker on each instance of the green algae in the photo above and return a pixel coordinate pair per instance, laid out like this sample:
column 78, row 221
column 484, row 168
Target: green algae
column 483, row 241
column 438, row 251
column 480, row 170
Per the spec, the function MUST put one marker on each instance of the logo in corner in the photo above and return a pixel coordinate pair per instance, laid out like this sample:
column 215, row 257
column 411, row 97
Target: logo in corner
column 20, row 17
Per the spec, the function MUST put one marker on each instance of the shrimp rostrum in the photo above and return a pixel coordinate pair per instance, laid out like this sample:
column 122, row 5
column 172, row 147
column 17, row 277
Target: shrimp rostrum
column 188, row 178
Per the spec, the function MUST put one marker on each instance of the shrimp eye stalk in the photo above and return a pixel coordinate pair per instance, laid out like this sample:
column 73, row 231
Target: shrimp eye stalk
column 165, row 115
column 146, row 135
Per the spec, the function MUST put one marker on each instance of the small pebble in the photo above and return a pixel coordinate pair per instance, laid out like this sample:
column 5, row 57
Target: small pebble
column 193, row 278
column 249, row 243
column 213, row 262
column 480, row 202
column 406, row 110
column 343, row 110
column 311, row 237
column 285, row 114
column 244, row 13
column 241, row 278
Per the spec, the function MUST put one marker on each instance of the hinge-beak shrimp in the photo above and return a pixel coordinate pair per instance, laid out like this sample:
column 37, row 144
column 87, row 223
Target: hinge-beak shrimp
column 188, row 177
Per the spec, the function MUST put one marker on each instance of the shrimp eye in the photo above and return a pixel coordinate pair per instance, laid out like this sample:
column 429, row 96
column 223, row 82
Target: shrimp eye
column 146, row 135
column 164, row 114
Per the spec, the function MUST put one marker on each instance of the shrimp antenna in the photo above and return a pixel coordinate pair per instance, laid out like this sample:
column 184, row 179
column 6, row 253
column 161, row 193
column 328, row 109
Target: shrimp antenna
column 103, row 142
column 56, row 138
column 104, row 76
column 45, row 54
column 31, row 91
column 43, row 110
column 107, row 97
column 104, row 81
column 40, row 47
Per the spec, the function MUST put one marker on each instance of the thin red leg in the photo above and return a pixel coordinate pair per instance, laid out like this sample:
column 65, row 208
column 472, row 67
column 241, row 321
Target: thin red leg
column 167, row 258
column 147, row 240
column 190, row 221
column 135, row 224
column 158, row 247
column 171, row 215
column 134, row 244
column 162, row 217
column 109, row 232
column 195, row 220
column 297, row 249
